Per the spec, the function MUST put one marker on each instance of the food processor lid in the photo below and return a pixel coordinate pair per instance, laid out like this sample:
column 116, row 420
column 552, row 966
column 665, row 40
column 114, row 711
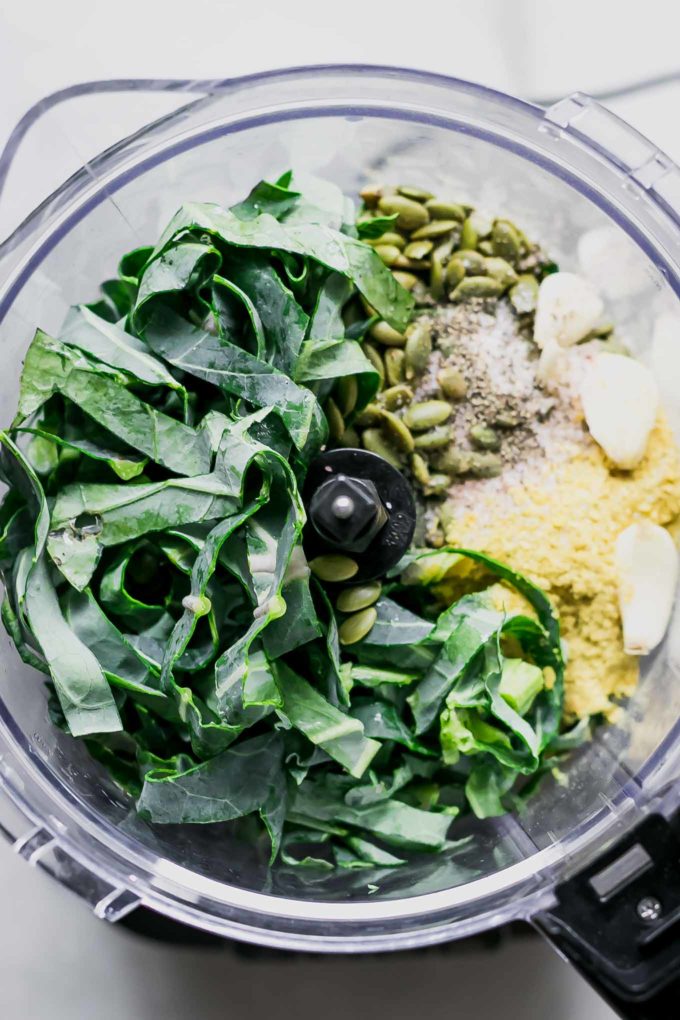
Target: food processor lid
column 598, row 155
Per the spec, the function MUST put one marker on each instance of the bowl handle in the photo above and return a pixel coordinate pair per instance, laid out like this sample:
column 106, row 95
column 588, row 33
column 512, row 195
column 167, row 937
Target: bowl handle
column 646, row 167
column 67, row 178
column 90, row 88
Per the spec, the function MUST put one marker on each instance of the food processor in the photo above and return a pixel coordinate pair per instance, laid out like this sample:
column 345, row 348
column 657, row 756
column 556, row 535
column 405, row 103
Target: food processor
column 593, row 859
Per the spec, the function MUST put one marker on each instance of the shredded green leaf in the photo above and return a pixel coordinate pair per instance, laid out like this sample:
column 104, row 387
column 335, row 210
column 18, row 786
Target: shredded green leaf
column 151, row 552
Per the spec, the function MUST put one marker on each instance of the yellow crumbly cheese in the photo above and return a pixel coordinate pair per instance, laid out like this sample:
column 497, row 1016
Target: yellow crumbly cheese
column 559, row 528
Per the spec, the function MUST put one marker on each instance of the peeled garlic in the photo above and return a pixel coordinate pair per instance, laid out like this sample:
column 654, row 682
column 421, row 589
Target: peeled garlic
column 568, row 308
column 620, row 400
column 647, row 567
column 551, row 365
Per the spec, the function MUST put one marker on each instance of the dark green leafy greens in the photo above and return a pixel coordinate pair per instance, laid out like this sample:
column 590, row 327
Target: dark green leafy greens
column 150, row 546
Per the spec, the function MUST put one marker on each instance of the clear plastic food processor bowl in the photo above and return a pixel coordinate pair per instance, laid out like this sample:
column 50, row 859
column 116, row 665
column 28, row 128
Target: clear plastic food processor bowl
column 558, row 173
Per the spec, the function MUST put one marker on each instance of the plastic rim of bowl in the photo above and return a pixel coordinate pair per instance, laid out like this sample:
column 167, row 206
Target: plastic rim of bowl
column 177, row 891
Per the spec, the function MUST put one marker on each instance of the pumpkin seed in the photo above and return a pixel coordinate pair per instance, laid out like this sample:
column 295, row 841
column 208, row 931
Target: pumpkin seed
column 506, row 420
column 447, row 515
column 370, row 194
column 485, row 465
column 500, row 270
column 437, row 228
column 476, row 287
column 481, row 464
column 468, row 235
column 473, row 262
column 357, row 626
column 437, row 484
column 453, row 460
column 434, row 535
column 524, row 294
column 485, row 437
column 434, row 439
column 420, row 469
column 418, row 249
column 397, row 433
column 369, row 309
column 455, row 272
column 417, row 194
column 418, row 348
column 347, row 393
column 437, row 275
column 336, row 423
column 407, row 280
column 385, row 334
column 485, row 247
column 441, row 210
column 350, row 437
column 405, row 263
column 452, row 382
column 389, row 237
column 389, row 253
column 334, row 567
column 375, row 359
column 394, row 366
column 426, row 414
column 445, row 247
column 410, row 214
column 375, row 442
column 396, row 396
column 370, row 415
column 360, row 596
column 505, row 241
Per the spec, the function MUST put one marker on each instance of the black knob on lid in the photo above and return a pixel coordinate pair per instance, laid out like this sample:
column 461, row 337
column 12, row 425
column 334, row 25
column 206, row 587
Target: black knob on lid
column 359, row 504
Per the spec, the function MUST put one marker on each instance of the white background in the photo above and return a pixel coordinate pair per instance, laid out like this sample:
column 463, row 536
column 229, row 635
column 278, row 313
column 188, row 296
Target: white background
column 56, row 960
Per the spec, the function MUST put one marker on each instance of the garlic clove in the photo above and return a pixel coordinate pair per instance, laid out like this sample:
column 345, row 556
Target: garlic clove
column 551, row 368
column 646, row 561
column 567, row 309
column 620, row 401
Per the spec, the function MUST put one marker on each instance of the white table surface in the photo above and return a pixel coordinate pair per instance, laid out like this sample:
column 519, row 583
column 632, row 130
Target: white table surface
column 56, row 960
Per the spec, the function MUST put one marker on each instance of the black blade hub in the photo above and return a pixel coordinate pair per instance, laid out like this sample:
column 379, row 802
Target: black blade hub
column 359, row 505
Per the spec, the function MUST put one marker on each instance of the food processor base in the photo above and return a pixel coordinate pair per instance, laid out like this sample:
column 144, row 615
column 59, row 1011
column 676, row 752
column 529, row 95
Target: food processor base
column 617, row 921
